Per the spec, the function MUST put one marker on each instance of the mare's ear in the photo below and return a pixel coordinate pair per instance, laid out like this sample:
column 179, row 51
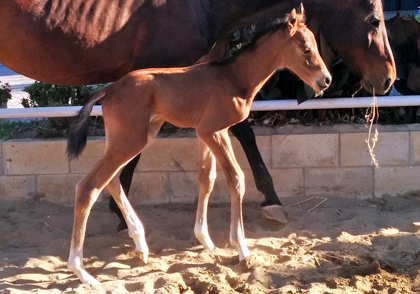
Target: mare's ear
column 292, row 22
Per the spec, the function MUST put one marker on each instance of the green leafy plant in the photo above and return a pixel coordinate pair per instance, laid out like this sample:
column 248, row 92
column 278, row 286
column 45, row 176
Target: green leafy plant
column 5, row 92
column 43, row 95
column 12, row 130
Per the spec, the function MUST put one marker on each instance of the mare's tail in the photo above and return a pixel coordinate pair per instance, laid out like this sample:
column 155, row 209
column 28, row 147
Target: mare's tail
column 77, row 139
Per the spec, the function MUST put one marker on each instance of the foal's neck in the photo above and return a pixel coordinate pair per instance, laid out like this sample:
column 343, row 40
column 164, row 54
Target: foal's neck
column 250, row 70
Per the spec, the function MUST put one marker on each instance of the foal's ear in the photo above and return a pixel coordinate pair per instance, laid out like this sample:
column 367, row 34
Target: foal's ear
column 292, row 22
column 301, row 9
column 301, row 15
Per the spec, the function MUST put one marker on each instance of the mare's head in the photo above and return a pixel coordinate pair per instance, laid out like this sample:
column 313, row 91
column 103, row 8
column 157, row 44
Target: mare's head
column 300, row 53
column 355, row 29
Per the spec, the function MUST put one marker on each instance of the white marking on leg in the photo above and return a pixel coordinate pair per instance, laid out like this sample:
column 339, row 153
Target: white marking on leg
column 136, row 231
column 237, row 234
column 134, row 225
column 75, row 263
column 206, row 179
column 85, row 198
column 221, row 146
column 202, row 234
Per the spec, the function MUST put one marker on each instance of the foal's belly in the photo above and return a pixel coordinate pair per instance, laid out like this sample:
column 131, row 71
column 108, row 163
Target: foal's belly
column 208, row 112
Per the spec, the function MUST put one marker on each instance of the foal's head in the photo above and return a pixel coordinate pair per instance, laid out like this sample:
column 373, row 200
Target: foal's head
column 300, row 53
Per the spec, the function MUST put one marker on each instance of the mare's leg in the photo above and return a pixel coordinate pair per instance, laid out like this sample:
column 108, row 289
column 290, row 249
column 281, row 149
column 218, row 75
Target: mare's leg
column 125, row 179
column 271, row 207
column 219, row 143
column 135, row 227
column 206, row 178
column 263, row 180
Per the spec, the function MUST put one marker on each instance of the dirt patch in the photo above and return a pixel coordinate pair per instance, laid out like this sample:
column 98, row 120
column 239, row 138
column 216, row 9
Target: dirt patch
column 342, row 246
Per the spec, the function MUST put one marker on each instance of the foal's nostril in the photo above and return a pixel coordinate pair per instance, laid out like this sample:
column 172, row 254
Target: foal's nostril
column 327, row 81
column 387, row 84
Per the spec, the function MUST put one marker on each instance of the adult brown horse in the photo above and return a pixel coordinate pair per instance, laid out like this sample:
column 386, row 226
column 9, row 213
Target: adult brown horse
column 94, row 41
column 404, row 37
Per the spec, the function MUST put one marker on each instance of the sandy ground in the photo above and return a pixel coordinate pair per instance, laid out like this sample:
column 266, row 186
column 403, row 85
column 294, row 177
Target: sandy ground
column 341, row 246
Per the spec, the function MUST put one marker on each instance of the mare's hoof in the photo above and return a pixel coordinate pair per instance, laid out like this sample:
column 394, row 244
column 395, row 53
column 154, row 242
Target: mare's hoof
column 274, row 212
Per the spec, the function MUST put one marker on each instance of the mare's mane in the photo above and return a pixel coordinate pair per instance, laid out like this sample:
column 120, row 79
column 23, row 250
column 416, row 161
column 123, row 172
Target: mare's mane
column 242, row 35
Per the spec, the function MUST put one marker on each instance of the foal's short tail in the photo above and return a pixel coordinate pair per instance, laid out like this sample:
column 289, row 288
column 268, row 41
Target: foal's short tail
column 77, row 139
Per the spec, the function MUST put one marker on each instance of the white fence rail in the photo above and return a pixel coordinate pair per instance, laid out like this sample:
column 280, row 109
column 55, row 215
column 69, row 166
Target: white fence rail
column 267, row 105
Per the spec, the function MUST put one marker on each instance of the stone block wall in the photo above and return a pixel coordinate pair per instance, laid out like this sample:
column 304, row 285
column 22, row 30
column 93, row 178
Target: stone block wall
column 303, row 161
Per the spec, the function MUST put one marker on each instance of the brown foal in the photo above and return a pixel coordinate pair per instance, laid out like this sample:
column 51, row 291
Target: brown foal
column 209, row 97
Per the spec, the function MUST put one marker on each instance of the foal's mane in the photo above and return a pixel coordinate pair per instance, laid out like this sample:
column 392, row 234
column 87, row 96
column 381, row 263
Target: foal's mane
column 248, row 38
column 243, row 34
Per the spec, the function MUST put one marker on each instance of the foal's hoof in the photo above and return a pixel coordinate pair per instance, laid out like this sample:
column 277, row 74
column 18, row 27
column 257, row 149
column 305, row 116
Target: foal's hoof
column 86, row 278
column 274, row 212
column 91, row 281
column 143, row 256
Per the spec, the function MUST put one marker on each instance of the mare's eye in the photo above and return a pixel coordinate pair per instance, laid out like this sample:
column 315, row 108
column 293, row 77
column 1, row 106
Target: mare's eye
column 374, row 22
column 307, row 51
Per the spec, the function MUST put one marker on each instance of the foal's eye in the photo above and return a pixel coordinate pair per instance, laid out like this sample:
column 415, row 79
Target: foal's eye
column 374, row 22
column 307, row 51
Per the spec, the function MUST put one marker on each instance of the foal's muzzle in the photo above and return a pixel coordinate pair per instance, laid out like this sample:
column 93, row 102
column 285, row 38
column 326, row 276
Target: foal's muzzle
column 323, row 85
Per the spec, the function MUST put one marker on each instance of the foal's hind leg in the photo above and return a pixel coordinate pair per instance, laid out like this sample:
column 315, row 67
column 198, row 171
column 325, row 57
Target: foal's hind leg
column 117, row 153
column 219, row 143
column 206, row 178
column 271, row 207
column 126, row 178
column 126, row 175
column 135, row 227
column 87, row 192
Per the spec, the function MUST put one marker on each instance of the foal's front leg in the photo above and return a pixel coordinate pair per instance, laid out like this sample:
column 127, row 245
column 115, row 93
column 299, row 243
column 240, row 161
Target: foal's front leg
column 219, row 143
column 206, row 178
column 271, row 207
